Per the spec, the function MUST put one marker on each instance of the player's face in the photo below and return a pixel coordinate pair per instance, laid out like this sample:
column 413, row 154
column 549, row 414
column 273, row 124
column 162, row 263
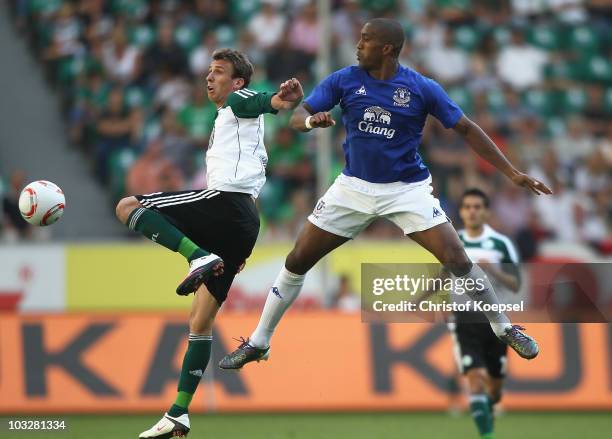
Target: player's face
column 219, row 81
column 369, row 49
column 473, row 212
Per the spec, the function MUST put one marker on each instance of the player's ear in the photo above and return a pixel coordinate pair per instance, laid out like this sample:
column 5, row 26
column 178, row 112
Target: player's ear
column 387, row 49
column 237, row 83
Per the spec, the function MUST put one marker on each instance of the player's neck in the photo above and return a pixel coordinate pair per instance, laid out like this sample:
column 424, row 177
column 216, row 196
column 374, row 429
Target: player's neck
column 474, row 232
column 386, row 71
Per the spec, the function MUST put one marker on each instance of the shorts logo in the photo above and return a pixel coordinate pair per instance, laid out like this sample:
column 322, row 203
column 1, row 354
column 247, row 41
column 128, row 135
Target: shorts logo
column 436, row 212
column 319, row 208
column 372, row 117
column 401, row 97
column 466, row 360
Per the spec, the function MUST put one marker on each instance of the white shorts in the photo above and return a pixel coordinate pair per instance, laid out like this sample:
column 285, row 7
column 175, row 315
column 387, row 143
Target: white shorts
column 351, row 204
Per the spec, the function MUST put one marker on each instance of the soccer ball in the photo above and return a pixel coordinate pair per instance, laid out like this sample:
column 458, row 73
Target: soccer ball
column 41, row 203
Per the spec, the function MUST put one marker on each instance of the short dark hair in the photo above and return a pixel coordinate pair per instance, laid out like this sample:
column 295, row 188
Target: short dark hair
column 475, row 192
column 389, row 32
column 242, row 66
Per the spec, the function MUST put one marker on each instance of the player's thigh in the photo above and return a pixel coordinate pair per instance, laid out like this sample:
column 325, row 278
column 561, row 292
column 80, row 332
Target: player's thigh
column 219, row 286
column 204, row 309
column 496, row 357
column 341, row 214
column 234, row 234
column 343, row 210
column 444, row 243
column 469, row 349
column 419, row 214
column 311, row 245
column 180, row 208
column 413, row 209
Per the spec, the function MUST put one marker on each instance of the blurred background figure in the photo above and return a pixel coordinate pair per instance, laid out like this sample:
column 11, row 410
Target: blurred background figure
column 345, row 299
column 12, row 225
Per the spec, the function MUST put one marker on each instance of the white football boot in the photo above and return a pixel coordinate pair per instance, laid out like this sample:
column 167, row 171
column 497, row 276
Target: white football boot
column 168, row 427
column 200, row 270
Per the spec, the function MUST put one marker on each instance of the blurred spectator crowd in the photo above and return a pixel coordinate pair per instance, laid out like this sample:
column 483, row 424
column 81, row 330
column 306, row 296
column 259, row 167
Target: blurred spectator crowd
column 536, row 75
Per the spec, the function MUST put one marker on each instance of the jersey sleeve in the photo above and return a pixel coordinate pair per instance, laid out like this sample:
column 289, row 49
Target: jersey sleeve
column 441, row 106
column 510, row 253
column 247, row 103
column 510, row 261
column 326, row 95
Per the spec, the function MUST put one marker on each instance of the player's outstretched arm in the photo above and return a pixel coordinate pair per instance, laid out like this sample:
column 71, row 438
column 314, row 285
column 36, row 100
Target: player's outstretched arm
column 304, row 120
column 486, row 148
column 289, row 95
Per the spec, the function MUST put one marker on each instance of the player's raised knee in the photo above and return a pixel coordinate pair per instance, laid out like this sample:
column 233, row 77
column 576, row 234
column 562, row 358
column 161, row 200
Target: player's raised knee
column 125, row 206
column 456, row 260
column 296, row 261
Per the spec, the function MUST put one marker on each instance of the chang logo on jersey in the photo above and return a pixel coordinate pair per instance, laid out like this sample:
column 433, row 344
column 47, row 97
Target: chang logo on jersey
column 373, row 118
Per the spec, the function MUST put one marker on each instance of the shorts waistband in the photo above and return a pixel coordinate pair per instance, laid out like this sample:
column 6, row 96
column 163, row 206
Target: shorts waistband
column 379, row 188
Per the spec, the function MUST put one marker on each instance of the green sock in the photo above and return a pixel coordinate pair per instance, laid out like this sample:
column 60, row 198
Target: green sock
column 158, row 229
column 194, row 364
column 481, row 413
column 491, row 405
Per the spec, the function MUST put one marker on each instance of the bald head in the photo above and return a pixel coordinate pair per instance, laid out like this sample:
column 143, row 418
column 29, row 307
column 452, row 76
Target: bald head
column 387, row 31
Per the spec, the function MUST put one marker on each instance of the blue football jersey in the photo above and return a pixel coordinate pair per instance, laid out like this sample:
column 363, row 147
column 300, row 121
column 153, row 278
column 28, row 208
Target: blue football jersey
column 384, row 120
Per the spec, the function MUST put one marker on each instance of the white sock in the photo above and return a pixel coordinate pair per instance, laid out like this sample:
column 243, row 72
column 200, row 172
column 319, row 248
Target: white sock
column 284, row 291
column 498, row 321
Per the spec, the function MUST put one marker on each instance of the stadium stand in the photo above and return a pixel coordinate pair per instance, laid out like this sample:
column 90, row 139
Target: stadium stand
column 536, row 76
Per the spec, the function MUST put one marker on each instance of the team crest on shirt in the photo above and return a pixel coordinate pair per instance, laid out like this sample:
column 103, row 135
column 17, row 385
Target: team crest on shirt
column 401, row 97
column 374, row 121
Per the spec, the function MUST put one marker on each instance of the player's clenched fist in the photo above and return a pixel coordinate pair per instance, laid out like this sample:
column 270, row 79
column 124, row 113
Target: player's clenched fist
column 291, row 91
column 288, row 96
column 320, row 120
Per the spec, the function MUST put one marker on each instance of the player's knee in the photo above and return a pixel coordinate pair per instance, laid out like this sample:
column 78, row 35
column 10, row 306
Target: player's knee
column 456, row 260
column 496, row 396
column 297, row 261
column 125, row 206
column 477, row 379
column 199, row 325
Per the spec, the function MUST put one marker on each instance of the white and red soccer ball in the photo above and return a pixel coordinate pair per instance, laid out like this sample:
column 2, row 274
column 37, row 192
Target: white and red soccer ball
column 42, row 203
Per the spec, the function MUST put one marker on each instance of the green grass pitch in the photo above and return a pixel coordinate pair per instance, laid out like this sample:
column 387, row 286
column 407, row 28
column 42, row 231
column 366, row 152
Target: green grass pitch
column 570, row 425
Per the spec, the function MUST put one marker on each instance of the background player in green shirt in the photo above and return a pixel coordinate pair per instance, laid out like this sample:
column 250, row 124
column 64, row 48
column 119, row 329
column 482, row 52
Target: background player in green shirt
column 480, row 355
